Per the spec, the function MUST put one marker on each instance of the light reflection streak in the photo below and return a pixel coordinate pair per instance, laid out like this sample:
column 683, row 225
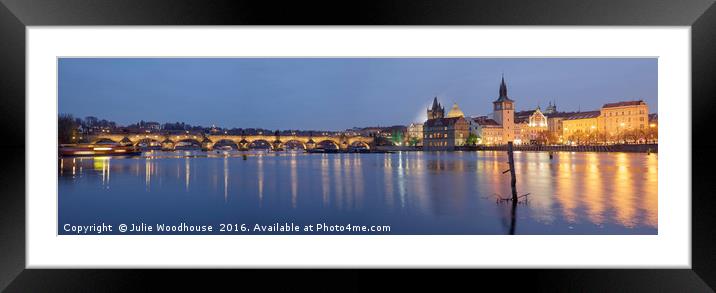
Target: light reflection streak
column 623, row 194
column 401, row 180
column 148, row 172
column 359, row 183
column 565, row 187
column 226, row 178
column 294, row 181
column 593, row 195
column 187, row 172
column 338, row 182
column 651, row 199
column 325, row 180
column 260, row 167
column 578, row 189
column 388, row 180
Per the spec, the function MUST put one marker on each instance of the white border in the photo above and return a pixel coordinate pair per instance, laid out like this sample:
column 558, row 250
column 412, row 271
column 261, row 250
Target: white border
column 671, row 248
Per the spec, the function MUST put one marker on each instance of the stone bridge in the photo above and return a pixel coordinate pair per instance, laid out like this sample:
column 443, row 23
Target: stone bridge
column 242, row 142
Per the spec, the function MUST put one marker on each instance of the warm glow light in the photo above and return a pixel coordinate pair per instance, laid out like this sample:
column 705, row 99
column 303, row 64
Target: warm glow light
column 102, row 149
column 652, row 125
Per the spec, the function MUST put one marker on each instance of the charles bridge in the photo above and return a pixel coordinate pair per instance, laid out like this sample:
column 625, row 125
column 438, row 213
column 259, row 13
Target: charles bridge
column 242, row 142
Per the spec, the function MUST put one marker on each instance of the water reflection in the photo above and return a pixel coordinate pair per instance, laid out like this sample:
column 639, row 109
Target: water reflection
column 414, row 192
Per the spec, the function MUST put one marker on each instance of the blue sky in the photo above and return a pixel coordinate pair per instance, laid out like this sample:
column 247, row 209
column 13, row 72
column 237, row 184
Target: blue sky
column 338, row 93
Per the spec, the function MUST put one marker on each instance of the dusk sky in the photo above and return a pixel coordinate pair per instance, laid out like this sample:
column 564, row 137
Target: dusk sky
column 338, row 93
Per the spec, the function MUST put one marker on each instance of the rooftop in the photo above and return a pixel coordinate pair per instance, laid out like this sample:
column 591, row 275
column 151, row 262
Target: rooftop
column 624, row 104
column 484, row 121
column 442, row 121
column 584, row 115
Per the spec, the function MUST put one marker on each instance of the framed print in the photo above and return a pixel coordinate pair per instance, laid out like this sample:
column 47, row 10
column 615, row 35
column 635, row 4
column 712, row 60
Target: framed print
column 237, row 137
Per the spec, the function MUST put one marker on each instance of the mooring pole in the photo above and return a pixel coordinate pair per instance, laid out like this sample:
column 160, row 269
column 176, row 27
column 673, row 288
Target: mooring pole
column 512, row 171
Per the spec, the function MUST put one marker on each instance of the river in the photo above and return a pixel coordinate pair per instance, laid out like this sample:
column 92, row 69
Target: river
column 411, row 192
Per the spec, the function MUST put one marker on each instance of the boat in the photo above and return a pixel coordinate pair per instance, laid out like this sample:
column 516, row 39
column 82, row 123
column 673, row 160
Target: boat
column 73, row 150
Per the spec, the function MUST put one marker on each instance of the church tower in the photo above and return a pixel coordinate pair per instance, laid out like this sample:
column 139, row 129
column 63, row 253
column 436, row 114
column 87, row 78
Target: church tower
column 436, row 111
column 504, row 113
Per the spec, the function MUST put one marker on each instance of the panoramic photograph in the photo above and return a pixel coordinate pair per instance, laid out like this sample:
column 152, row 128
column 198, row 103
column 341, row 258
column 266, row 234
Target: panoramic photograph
column 357, row 146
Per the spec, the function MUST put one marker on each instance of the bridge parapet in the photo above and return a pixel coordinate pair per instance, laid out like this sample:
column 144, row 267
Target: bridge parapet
column 169, row 141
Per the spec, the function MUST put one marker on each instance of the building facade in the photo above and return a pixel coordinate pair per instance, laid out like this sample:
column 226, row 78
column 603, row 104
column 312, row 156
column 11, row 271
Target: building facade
column 488, row 131
column 504, row 113
column 415, row 134
column 582, row 127
column 530, row 126
column 623, row 118
column 444, row 133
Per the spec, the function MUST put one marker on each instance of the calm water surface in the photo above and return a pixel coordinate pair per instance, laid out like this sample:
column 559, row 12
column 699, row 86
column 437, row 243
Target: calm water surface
column 413, row 192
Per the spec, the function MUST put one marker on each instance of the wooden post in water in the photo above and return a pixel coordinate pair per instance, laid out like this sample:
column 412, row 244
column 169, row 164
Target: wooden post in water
column 513, row 182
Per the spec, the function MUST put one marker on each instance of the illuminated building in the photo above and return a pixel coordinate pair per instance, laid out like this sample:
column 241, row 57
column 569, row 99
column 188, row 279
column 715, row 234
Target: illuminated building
column 415, row 134
column 487, row 130
column 623, row 118
column 444, row 133
column 582, row 127
column 529, row 126
column 504, row 113
column 455, row 112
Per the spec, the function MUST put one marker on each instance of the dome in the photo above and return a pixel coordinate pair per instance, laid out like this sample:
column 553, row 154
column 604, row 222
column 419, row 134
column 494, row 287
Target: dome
column 455, row 112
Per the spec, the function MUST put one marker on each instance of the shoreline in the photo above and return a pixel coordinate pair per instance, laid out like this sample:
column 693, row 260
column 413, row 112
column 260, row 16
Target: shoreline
column 616, row 148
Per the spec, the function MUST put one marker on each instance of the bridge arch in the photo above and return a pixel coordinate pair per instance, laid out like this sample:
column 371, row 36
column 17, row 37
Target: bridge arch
column 148, row 142
column 359, row 144
column 328, row 142
column 226, row 142
column 187, row 143
column 104, row 140
column 260, row 143
column 294, row 144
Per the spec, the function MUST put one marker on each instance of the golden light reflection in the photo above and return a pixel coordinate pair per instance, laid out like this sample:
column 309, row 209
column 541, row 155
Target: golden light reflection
column 101, row 164
column 593, row 195
column 148, row 172
column 541, row 199
column 565, row 187
column 651, row 199
column 623, row 192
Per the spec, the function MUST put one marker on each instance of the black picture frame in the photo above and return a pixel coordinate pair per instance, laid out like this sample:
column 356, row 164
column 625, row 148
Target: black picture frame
column 16, row 15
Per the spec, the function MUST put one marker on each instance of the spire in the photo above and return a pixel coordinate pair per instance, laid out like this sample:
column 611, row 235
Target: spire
column 503, row 87
column 503, row 92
